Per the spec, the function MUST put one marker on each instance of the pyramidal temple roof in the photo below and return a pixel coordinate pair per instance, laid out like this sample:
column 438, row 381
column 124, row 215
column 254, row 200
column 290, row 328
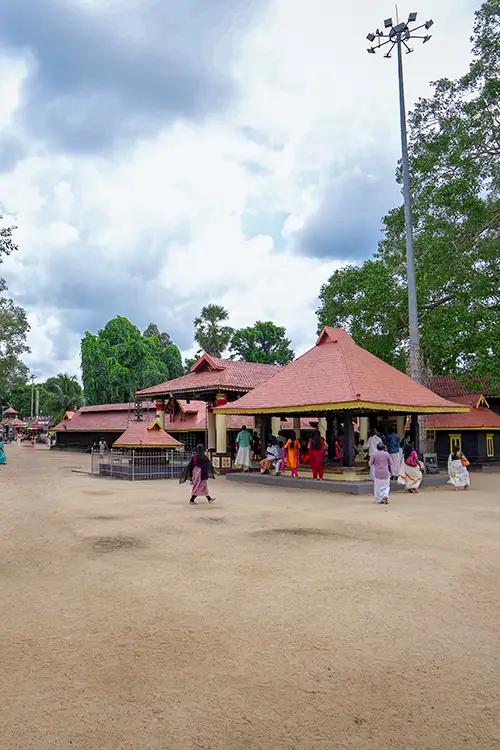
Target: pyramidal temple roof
column 212, row 373
column 143, row 435
column 338, row 374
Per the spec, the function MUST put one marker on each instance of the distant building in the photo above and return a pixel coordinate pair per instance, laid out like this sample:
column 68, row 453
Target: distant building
column 476, row 433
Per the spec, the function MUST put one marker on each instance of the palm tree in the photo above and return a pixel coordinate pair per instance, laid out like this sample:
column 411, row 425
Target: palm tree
column 209, row 333
column 64, row 393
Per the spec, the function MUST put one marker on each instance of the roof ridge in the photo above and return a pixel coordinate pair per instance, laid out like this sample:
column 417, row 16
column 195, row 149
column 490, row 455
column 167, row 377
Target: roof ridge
column 357, row 396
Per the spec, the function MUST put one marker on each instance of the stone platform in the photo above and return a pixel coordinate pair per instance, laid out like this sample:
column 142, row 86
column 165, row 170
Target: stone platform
column 350, row 487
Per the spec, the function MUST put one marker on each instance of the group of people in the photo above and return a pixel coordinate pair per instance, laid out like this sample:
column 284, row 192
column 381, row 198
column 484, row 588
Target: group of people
column 388, row 457
column 391, row 458
column 290, row 453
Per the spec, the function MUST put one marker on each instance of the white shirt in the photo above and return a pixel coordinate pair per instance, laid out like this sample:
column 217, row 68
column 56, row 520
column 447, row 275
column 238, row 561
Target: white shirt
column 372, row 444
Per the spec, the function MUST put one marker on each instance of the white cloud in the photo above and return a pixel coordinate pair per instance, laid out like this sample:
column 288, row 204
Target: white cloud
column 154, row 231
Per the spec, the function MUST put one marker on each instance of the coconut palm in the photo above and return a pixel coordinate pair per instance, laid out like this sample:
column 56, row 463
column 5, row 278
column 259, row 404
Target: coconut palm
column 64, row 393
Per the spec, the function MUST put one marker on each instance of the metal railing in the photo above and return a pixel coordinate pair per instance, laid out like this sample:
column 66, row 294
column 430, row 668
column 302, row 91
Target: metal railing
column 138, row 464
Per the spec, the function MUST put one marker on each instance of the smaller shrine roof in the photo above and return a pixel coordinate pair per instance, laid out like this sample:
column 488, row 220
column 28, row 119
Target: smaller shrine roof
column 10, row 412
column 480, row 417
column 142, row 434
column 213, row 374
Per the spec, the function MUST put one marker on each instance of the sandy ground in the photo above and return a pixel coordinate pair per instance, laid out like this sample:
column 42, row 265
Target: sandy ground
column 274, row 619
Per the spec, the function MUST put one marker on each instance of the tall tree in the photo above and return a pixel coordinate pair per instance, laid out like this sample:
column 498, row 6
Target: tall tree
column 63, row 393
column 20, row 398
column 454, row 152
column 13, row 329
column 209, row 332
column 119, row 360
column 263, row 342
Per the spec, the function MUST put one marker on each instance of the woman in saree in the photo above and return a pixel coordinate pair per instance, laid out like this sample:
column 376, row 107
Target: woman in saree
column 198, row 471
column 292, row 447
column 317, row 450
column 457, row 470
column 411, row 469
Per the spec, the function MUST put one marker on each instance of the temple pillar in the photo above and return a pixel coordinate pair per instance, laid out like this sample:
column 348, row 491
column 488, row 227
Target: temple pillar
column 211, row 439
column 221, row 432
column 275, row 426
column 221, row 425
column 348, row 443
column 322, row 427
column 330, row 435
column 296, row 427
column 363, row 429
column 400, row 426
column 265, row 432
column 160, row 412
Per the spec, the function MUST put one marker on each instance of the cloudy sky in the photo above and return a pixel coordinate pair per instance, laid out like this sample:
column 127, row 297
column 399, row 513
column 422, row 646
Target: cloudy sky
column 158, row 155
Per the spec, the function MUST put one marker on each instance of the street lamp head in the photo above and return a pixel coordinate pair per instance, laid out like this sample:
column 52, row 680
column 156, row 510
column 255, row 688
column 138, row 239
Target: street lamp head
column 371, row 50
column 370, row 37
column 429, row 23
column 412, row 17
column 388, row 23
column 426, row 38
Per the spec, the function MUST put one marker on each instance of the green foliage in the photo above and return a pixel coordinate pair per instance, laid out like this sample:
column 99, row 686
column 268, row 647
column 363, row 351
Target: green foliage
column 263, row 342
column 188, row 363
column 454, row 153
column 13, row 329
column 209, row 333
column 20, row 398
column 119, row 360
column 62, row 393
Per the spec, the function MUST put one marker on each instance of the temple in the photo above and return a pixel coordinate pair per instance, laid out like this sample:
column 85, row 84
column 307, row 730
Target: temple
column 339, row 382
column 216, row 382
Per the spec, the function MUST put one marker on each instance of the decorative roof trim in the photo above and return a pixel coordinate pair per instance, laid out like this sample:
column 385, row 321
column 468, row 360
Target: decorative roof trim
column 210, row 361
column 342, row 406
column 458, row 429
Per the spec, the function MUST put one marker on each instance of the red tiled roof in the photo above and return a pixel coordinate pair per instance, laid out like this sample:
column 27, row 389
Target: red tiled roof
column 447, row 386
column 336, row 373
column 144, row 435
column 190, row 417
column 10, row 412
column 478, row 418
column 127, row 406
column 211, row 373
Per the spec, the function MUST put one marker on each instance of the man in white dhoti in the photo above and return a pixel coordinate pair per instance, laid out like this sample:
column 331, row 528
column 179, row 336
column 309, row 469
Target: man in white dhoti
column 244, row 444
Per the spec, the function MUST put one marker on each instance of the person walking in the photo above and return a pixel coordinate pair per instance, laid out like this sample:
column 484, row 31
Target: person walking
column 198, row 471
column 373, row 442
column 3, row 455
column 393, row 443
column 317, row 450
column 244, row 443
column 292, row 447
column 381, row 474
column 457, row 469
column 103, row 447
column 411, row 470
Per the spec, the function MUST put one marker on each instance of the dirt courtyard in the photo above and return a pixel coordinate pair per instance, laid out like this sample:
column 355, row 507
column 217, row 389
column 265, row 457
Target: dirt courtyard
column 273, row 619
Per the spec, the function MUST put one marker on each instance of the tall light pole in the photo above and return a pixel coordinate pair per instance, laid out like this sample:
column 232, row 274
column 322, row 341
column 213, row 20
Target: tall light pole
column 397, row 35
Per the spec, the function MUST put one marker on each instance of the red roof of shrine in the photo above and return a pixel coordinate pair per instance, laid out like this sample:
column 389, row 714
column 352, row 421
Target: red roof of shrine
column 212, row 373
column 338, row 374
column 146, row 435
column 10, row 412
column 479, row 417
column 447, row 386
column 188, row 417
